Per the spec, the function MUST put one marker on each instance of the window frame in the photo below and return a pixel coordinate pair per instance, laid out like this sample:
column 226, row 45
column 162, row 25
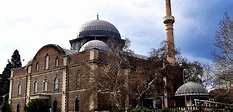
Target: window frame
column 76, row 104
column 47, row 62
column 56, row 83
column 45, row 84
column 56, row 62
column 37, row 66
column 35, row 87
column 19, row 90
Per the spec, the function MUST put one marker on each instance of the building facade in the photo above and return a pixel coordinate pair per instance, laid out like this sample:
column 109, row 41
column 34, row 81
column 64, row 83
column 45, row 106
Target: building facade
column 63, row 77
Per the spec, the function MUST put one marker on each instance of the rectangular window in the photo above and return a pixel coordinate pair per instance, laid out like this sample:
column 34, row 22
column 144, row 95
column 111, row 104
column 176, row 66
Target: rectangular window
column 35, row 87
column 45, row 85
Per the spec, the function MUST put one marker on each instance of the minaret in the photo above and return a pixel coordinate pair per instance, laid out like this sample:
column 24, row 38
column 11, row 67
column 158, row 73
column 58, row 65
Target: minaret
column 97, row 16
column 168, row 20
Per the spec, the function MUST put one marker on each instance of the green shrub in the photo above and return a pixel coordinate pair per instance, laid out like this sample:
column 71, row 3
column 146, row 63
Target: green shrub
column 196, row 111
column 165, row 110
column 37, row 105
column 6, row 107
column 117, row 110
column 140, row 109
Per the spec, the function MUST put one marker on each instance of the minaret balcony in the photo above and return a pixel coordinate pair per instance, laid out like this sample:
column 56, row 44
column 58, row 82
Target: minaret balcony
column 168, row 19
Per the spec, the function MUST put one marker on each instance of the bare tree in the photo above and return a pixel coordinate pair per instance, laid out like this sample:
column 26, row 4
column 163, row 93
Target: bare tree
column 208, row 76
column 223, row 60
column 109, row 78
column 123, row 74
column 223, row 52
column 147, row 81
column 193, row 70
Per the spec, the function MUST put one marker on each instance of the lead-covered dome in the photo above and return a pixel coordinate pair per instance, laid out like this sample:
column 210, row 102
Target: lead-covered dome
column 94, row 44
column 191, row 89
column 98, row 28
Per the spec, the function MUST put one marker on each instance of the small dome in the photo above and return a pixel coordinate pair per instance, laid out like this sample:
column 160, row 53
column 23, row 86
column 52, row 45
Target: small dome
column 94, row 44
column 98, row 28
column 191, row 89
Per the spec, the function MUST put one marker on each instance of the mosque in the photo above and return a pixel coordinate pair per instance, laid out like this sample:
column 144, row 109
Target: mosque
column 67, row 78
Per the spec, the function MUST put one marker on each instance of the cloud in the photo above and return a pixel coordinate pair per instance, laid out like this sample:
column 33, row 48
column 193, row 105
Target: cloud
column 28, row 25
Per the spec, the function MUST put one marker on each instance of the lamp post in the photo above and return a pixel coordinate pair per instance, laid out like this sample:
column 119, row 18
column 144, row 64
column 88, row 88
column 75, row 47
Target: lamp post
column 185, row 102
column 183, row 72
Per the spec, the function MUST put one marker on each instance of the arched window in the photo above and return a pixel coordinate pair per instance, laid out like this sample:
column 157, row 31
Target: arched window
column 35, row 87
column 55, row 106
column 37, row 66
column 76, row 108
column 47, row 62
column 18, row 108
column 56, row 62
column 55, row 83
column 45, row 84
column 19, row 89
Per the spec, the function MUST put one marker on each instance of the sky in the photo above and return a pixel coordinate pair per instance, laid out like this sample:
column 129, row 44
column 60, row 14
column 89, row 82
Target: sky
column 28, row 25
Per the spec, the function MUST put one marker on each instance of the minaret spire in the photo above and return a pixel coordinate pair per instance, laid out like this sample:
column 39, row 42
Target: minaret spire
column 168, row 8
column 97, row 16
column 168, row 20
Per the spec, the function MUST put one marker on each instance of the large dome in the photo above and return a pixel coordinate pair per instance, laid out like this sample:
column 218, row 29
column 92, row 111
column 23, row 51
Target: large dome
column 94, row 44
column 98, row 28
column 191, row 89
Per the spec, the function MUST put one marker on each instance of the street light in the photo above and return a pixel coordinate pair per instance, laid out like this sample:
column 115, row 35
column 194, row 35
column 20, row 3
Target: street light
column 184, row 90
column 185, row 101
